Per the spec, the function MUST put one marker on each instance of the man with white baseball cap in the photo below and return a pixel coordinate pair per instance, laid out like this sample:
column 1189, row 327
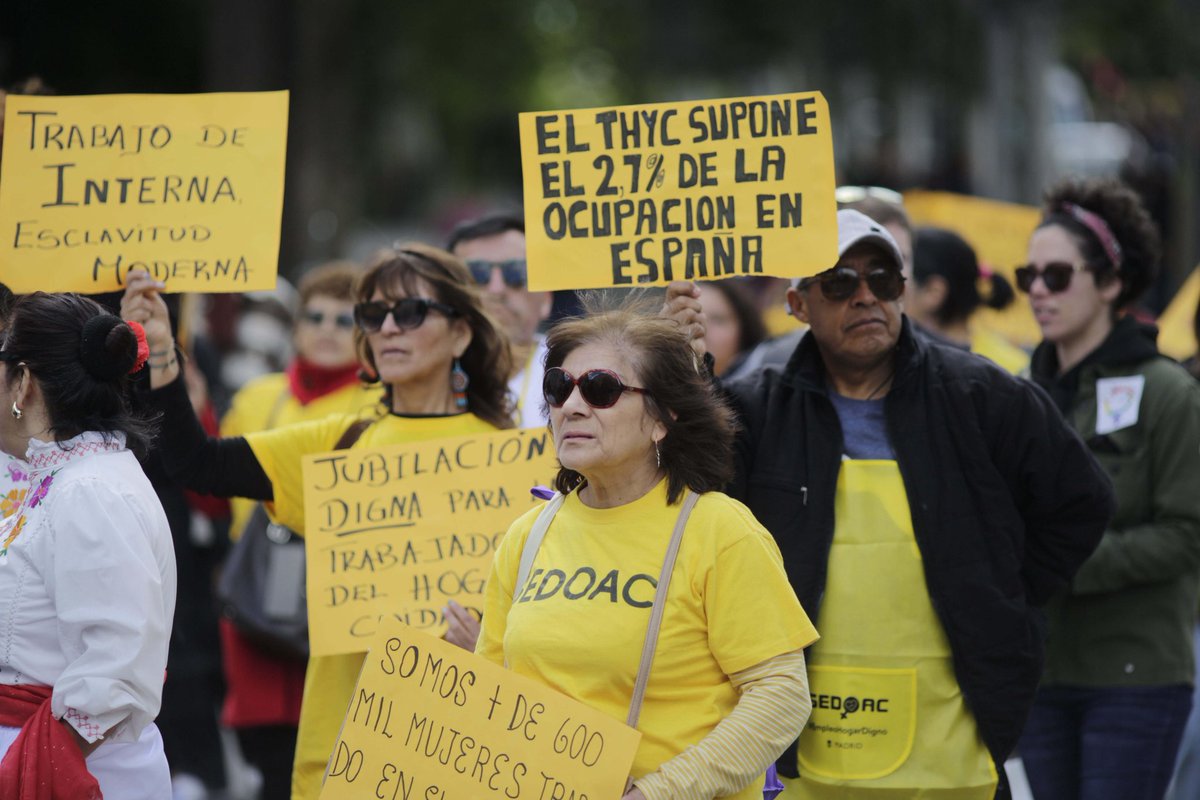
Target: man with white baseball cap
column 925, row 503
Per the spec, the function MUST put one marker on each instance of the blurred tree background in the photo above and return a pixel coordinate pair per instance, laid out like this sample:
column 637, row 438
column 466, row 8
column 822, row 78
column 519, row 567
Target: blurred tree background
column 403, row 116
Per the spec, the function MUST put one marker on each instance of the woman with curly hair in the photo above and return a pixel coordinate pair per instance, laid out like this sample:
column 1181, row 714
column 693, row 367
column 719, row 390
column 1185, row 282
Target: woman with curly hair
column 422, row 332
column 1117, row 687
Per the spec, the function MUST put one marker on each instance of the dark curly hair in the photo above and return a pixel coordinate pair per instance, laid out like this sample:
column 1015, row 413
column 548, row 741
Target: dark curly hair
column 80, row 355
column 487, row 359
column 697, row 451
column 1122, row 210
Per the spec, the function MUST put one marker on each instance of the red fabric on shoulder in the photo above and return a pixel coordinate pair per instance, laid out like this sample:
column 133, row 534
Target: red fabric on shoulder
column 308, row 381
column 44, row 763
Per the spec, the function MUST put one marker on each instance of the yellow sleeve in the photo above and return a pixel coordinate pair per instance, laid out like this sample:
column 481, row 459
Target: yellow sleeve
column 752, row 611
column 280, row 452
column 770, row 713
column 498, row 594
column 252, row 405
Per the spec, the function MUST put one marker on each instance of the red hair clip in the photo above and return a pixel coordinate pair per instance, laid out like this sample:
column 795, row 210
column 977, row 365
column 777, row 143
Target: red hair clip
column 143, row 347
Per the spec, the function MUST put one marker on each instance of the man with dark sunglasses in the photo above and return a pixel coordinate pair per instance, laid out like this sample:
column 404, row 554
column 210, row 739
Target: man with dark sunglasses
column 494, row 249
column 926, row 503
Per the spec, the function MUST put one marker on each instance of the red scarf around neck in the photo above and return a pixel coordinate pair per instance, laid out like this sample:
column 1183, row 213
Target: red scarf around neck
column 309, row 382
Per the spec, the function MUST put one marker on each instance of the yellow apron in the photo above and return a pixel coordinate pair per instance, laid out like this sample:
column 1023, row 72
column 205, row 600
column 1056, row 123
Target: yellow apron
column 888, row 718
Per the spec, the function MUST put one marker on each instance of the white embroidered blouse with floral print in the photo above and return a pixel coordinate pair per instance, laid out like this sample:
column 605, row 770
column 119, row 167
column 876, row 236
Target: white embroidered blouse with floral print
column 87, row 583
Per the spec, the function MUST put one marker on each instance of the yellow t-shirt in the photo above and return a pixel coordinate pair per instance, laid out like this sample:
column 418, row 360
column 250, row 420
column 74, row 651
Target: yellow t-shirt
column 329, row 681
column 267, row 402
column 999, row 350
column 580, row 621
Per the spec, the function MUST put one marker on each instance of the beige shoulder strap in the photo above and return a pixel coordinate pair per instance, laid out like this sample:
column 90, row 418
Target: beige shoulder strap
column 534, row 542
column 656, row 613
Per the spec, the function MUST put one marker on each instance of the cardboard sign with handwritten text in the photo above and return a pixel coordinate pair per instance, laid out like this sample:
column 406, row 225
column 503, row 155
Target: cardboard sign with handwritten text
column 430, row 720
column 398, row 531
column 186, row 187
column 697, row 190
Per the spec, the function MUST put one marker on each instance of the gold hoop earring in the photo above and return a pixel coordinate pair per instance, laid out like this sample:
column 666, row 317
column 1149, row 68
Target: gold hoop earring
column 16, row 410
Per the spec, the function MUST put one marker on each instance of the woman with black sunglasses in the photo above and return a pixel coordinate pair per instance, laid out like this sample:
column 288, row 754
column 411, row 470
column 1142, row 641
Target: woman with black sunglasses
column 644, row 446
column 1116, row 690
column 423, row 334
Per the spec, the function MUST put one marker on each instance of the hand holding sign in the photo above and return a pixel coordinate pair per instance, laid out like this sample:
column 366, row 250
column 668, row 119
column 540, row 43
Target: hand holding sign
column 142, row 302
column 683, row 305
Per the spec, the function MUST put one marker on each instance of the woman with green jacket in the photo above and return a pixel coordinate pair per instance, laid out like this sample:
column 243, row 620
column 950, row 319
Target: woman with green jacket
column 1119, row 668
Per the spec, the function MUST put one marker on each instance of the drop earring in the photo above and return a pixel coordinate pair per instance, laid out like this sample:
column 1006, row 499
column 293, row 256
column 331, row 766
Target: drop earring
column 16, row 410
column 657, row 454
column 459, row 381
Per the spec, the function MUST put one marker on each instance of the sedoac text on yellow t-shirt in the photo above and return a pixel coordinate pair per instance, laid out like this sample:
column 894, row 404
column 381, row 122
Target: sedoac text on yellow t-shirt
column 580, row 620
column 330, row 680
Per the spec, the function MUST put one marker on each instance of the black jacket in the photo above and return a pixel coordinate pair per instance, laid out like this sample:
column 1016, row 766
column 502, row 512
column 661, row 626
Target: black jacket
column 1006, row 503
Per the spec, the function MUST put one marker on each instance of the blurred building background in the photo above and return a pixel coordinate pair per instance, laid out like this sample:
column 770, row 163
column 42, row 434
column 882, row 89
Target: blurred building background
column 403, row 116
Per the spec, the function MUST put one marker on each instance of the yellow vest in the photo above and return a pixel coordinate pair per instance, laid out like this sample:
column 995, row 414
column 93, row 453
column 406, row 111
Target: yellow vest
column 888, row 717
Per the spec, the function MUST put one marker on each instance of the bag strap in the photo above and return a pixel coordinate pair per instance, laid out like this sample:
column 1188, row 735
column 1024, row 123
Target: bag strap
column 534, row 541
column 352, row 434
column 656, row 613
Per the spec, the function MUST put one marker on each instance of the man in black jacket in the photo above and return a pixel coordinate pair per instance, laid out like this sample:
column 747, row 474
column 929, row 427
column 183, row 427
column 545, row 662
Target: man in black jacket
column 925, row 503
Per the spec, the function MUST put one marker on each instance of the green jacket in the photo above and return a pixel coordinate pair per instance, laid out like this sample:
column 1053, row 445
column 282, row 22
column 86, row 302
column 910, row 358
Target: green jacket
column 1128, row 616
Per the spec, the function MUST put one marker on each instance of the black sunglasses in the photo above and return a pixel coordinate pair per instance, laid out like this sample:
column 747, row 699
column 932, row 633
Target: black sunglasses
column 1056, row 275
column 407, row 313
column 599, row 388
column 342, row 320
column 840, row 283
column 512, row 272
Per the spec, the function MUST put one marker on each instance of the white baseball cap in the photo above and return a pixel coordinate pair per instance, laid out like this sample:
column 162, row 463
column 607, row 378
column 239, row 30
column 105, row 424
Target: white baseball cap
column 855, row 227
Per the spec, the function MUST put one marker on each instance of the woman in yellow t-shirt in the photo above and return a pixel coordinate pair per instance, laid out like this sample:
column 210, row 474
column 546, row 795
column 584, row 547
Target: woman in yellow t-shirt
column 421, row 332
column 639, row 434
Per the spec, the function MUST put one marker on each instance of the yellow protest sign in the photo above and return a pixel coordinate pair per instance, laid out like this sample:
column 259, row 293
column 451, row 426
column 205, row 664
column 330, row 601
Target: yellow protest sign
column 643, row 195
column 398, row 531
column 186, row 187
column 432, row 721
column 1177, row 325
column 1000, row 233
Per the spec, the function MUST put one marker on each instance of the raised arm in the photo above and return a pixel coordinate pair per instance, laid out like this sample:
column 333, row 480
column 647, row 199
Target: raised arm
column 682, row 304
column 222, row 467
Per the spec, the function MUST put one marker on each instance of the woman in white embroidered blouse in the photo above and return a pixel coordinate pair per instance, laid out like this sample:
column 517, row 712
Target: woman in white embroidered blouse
column 87, row 569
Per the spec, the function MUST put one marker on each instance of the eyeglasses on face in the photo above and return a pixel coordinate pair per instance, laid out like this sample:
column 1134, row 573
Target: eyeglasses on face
column 600, row 388
column 512, row 272
column 840, row 283
column 1056, row 276
column 407, row 313
column 342, row 320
